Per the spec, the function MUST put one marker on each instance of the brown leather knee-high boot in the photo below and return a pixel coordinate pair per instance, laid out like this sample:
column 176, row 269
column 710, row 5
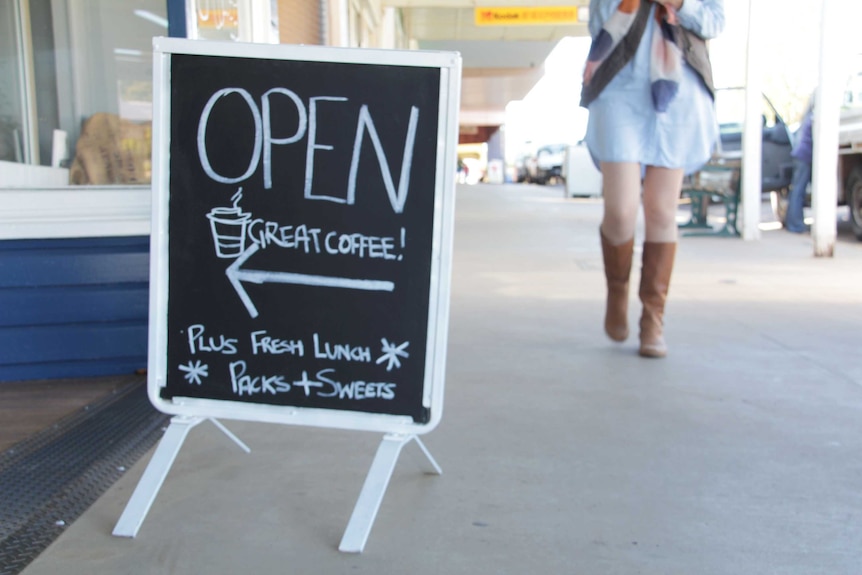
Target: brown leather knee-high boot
column 655, row 279
column 618, row 267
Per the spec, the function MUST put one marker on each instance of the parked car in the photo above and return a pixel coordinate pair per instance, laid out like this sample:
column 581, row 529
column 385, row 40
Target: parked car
column 850, row 165
column 850, row 150
column 776, row 142
column 522, row 169
column 581, row 176
column 547, row 164
column 777, row 164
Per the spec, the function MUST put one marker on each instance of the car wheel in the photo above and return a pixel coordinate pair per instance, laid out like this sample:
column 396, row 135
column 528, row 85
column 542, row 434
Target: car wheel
column 854, row 200
column 778, row 199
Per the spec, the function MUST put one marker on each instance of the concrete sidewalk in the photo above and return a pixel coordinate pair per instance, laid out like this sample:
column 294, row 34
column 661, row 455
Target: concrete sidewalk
column 562, row 453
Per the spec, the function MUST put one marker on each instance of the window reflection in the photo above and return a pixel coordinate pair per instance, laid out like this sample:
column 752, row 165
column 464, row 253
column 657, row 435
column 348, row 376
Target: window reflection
column 13, row 147
column 215, row 20
column 76, row 90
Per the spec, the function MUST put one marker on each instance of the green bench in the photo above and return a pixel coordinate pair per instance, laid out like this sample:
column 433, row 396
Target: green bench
column 717, row 181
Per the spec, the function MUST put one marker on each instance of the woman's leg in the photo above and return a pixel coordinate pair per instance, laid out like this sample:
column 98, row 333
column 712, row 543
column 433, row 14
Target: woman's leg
column 621, row 192
column 621, row 184
column 662, row 188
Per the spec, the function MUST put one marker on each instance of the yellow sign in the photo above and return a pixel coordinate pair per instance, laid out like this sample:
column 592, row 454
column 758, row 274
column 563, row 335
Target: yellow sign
column 532, row 16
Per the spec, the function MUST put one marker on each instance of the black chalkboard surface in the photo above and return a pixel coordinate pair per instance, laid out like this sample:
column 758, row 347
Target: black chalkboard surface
column 304, row 200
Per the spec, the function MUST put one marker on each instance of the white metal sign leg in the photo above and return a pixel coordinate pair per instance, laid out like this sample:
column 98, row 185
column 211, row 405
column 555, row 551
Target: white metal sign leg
column 151, row 481
column 371, row 496
column 428, row 455
column 157, row 469
column 231, row 435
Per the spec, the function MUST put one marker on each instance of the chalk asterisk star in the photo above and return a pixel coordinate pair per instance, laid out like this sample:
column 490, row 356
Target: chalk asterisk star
column 195, row 371
column 391, row 353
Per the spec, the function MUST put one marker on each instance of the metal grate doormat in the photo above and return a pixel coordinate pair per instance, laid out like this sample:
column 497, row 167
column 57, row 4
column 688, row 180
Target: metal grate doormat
column 48, row 480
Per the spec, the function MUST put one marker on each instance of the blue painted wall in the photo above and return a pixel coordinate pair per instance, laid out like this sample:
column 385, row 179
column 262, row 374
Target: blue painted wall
column 76, row 307
column 73, row 307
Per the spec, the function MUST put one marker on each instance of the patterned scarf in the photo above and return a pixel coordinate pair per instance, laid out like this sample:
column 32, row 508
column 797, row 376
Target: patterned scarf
column 666, row 56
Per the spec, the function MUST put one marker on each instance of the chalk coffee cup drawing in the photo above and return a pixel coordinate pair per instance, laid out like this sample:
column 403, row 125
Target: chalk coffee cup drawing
column 228, row 228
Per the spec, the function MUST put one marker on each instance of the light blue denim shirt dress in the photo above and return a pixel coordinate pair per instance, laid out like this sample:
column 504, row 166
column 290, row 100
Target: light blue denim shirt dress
column 623, row 126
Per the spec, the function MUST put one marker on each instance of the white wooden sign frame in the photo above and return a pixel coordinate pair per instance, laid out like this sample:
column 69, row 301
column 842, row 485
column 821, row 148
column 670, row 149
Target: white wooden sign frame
column 398, row 429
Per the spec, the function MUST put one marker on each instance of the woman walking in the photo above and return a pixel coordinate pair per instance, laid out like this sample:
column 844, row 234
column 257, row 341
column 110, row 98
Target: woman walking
column 648, row 87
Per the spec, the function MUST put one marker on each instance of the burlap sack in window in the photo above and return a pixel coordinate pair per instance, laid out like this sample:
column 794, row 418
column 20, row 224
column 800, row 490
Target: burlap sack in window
column 111, row 150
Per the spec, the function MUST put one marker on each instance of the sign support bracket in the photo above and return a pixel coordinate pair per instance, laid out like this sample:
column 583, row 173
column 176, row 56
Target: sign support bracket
column 371, row 496
column 157, row 470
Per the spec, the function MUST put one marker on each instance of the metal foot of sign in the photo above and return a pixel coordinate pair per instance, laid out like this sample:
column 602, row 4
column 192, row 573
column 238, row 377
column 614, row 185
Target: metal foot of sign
column 371, row 496
column 157, row 469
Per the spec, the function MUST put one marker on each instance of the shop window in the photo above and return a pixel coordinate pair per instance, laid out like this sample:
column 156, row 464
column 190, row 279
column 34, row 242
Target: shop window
column 214, row 20
column 14, row 141
column 76, row 91
column 233, row 20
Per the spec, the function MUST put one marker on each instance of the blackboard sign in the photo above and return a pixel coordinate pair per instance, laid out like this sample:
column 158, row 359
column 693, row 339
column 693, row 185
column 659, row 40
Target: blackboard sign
column 302, row 230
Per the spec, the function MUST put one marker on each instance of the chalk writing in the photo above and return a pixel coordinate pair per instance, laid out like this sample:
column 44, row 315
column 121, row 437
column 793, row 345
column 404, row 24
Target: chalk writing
column 268, row 140
column 307, row 384
column 391, row 353
column 355, row 389
column 202, row 134
column 396, row 198
column 360, row 245
column 198, row 342
column 299, row 237
column 321, row 191
column 194, row 371
column 344, row 352
column 313, row 146
column 311, row 240
column 263, row 344
column 231, row 228
column 323, row 385
column 307, row 122
column 243, row 384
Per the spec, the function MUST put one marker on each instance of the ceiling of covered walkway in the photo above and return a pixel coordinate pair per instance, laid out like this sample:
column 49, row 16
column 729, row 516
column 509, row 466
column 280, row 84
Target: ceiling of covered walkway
column 501, row 63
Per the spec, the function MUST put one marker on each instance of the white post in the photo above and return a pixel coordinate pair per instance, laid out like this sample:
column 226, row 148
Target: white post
column 753, row 129
column 343, row 20
column 824, row 185
column 262, row 30
column 388, row 36
column 191, row 19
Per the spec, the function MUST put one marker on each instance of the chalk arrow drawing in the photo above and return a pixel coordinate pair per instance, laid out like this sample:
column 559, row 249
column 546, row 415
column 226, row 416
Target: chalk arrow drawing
column 237, row 275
